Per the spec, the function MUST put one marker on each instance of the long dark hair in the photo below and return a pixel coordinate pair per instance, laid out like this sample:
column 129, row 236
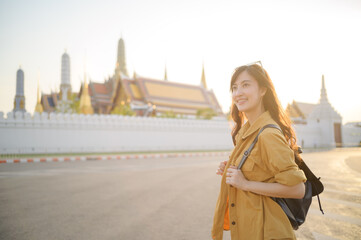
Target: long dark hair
column 270, row 103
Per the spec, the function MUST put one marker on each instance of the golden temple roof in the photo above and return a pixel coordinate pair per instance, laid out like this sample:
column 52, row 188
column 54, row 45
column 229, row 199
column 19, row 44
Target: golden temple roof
column 166, row 95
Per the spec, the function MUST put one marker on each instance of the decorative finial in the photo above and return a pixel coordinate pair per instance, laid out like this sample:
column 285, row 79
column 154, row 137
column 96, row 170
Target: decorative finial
column 203, row 78
column 165, row 73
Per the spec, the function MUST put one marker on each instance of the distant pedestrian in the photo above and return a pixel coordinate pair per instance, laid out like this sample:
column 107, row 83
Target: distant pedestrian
column 244, row 204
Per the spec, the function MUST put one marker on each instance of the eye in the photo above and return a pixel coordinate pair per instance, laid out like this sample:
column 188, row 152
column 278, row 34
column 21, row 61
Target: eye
column 234, row 88
column 245, row 85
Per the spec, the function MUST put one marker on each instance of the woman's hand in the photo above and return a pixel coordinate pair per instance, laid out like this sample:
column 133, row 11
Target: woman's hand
column 221, row 168
column 236, row 178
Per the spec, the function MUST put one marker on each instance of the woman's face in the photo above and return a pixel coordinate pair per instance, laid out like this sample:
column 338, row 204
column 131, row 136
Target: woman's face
column 247, row 95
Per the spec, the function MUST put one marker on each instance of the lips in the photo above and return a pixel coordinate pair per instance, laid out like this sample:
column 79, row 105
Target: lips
column 241, row 101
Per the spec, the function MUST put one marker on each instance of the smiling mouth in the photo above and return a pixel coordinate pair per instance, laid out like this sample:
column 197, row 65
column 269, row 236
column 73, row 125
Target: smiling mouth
column 241, row 101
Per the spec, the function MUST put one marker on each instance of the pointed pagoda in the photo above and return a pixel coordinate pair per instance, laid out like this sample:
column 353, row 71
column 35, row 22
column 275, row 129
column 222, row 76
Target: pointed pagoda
column 38, row 107
column 324, row 109
column 19, row 101
column 323, row 97
column 121, row 64
column 203, row 78
column 65, row 93
column 85, row 106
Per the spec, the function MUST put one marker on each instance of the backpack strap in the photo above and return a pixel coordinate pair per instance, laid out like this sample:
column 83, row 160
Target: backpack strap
column 248, row 151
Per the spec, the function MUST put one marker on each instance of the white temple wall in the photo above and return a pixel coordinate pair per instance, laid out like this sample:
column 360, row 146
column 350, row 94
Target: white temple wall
column 351, row 136
column 327, row 135
column 308, row 136
column 73, row 133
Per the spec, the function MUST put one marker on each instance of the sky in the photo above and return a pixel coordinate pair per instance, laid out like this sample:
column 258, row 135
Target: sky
column 297, row 42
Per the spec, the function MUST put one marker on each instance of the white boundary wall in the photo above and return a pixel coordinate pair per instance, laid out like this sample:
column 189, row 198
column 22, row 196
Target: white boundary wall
column 76, row 133
column 351, row 135
column 313, row 135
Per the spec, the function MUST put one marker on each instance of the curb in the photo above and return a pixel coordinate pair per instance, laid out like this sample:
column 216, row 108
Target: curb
column 112, row 157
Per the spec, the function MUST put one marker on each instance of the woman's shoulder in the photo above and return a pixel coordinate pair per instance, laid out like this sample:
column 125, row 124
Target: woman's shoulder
column 271, row 135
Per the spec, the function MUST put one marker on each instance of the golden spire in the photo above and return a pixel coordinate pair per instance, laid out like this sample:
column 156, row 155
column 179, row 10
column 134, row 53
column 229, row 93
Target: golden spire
column 38, row 107
column 85, row 106
column 203, row 78
column 165, row 73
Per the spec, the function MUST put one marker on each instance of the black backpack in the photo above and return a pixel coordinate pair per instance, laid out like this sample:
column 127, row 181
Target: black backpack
column 295, row 209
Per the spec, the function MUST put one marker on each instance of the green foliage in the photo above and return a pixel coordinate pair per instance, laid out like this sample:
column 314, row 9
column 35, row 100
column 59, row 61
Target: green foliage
column 75, row 101
column 123, row 110
column 74, row 104
column 168, row 114
column 205, row 113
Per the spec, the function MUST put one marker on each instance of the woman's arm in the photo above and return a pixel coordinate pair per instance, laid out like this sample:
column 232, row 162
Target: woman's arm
column 276, row 189
column 236, row 178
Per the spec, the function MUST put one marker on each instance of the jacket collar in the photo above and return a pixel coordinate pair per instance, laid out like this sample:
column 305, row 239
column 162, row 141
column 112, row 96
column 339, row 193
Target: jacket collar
column 264, row 119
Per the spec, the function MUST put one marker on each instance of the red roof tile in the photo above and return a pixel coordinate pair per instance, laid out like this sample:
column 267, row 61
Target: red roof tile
column 100, row 88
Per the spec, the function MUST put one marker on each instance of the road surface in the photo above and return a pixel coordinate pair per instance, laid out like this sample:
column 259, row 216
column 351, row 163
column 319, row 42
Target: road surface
column 165, row 198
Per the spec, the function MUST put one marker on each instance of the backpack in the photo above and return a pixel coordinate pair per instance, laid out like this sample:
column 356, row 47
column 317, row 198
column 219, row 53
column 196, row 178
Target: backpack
column 295, row 209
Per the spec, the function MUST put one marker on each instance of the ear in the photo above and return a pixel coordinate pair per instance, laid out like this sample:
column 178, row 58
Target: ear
column 263, row 91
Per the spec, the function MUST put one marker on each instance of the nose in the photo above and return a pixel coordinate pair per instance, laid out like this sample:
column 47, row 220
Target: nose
column 237, row 91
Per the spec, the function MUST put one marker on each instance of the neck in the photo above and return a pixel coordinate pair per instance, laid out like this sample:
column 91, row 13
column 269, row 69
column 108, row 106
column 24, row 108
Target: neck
column 252, row 116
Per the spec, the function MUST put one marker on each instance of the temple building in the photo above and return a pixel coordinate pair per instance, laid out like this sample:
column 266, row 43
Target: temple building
column 19, row 101
column 316, row 125
column 60, row 101
column 65, row 86
column 299, row 111
column 143, row 95
column 146, row 95
column 49, row 101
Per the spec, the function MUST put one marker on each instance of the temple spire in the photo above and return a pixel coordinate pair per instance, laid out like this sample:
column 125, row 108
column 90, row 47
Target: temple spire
column 85, row 106
column 203, row 78
column 165, row 73
column 19, row 101
column 38, row 107
column 323, row 91
column 64, row 103
column 121, row 57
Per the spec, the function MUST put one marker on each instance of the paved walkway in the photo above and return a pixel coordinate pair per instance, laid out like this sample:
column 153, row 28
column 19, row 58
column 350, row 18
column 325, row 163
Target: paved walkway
column 155, row 198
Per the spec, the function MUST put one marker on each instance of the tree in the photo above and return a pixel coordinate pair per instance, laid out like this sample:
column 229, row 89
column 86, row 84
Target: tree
column 205, row 113
column 168, row 114
column 74, row 104
column 123, row 109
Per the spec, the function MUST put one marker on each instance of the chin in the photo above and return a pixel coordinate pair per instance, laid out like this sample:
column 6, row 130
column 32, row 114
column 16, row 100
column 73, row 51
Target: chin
column 241, row 109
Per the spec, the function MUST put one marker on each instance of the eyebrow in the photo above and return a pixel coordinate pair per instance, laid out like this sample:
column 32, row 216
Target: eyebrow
column 243, row 82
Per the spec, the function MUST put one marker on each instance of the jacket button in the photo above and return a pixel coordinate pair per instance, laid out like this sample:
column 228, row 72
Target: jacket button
column 233, row 223
column 232, row 205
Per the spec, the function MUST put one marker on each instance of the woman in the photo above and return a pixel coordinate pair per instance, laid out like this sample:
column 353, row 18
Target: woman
column 244, row 204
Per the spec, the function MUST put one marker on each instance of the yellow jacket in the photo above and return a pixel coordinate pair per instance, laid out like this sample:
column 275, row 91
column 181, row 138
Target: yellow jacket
column 251, row 216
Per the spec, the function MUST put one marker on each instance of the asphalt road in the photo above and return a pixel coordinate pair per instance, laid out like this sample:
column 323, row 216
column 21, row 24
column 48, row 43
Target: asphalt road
column 170, row 198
